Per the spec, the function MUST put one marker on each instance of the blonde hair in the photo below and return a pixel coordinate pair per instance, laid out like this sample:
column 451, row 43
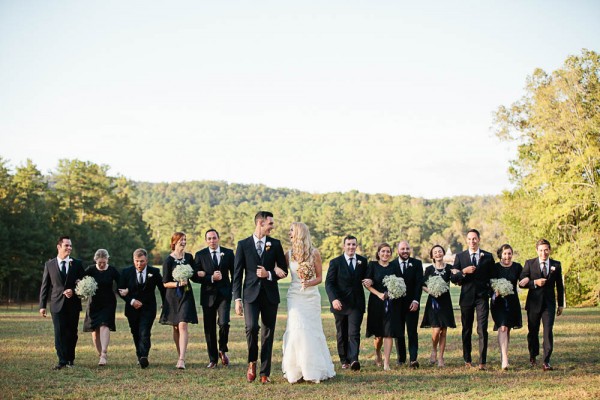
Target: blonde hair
column 302, row 249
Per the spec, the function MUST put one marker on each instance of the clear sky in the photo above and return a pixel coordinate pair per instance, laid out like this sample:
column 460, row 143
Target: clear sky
column 377, row 96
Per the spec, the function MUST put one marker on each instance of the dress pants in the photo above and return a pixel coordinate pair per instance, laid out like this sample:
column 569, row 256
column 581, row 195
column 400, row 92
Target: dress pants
column 221, row 310
column 65, row 324
column 268, row 317
column 546, row 317
column 467, row 314
column 410, row 323
column 140, row 325
column 347, row 328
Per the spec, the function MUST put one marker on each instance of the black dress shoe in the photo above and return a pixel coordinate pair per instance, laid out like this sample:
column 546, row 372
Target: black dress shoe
column 355, row 366
column 144, row 362
column 532, row 361
column 414, row 364
column 59, row 366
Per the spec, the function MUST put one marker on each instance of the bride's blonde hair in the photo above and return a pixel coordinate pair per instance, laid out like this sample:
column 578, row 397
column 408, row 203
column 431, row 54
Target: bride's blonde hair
column 302, row 249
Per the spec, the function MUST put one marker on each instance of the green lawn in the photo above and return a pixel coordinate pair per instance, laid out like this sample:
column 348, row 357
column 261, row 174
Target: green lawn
column 27, row 355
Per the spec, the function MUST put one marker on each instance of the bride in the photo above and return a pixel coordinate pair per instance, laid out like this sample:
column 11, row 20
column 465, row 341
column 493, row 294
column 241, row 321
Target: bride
column 306, row 356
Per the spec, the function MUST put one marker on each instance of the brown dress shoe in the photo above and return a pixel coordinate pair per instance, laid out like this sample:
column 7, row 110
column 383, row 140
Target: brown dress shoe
column 251, row 373
column 224, row 358
column 264, row 379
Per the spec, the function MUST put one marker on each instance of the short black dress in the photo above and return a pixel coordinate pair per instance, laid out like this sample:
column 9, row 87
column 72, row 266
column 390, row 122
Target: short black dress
column 102, row 306
column 382, row 322
column 438, row 313
column 506, row 311
column 182, row 307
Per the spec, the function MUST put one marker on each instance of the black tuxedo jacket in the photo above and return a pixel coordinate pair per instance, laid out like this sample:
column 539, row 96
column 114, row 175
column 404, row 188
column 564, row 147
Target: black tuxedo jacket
column 413, row 278
column 210, row 291
column 145, row 294
column 539, row 296
column 53, row 285
column 477, row 284
column 345, row 285
column 246, row 262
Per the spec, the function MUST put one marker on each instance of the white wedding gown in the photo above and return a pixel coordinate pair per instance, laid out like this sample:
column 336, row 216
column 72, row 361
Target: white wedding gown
column 305, row 351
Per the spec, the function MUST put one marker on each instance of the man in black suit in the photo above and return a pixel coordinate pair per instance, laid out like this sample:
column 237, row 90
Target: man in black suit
column 541, row 275
column 61, row 275
column 472, row 271
column 256, row 257
column 137, row 287
column 215, row 295
column 344, row 286
column 412, row 272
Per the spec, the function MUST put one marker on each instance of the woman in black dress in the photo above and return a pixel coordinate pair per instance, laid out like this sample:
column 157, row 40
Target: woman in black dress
column 383, row 318
column 101, row 308
column 506, row 311
column 179, row 307
column 438, row 314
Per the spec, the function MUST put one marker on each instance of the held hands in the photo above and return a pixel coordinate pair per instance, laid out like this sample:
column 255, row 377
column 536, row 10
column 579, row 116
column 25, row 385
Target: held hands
column 217, row 276
column 367, row 283
column 280, row 273
column 337, row 305
column 68, row 293
column 239, row 309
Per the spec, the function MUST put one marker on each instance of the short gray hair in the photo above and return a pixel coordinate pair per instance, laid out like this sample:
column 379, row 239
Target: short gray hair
column 101, row 253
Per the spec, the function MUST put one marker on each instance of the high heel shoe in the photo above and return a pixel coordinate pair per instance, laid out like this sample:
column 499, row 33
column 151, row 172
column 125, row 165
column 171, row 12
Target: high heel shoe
column 180, row 364
column 432, row 358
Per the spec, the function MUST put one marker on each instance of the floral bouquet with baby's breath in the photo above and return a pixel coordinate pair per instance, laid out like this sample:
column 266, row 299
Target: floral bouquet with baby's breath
column 86, row 287
column 395, row 286
column 437, row 286
column 306, row 272
column 182, row 273
column 502, row 287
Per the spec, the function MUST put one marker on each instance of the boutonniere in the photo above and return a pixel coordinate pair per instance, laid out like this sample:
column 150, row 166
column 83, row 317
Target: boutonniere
column 222, row 254
column 359, row 262
column 150, row 275
column 409, row 265
column 268, row 246
column 552, row 269
column 70, row 263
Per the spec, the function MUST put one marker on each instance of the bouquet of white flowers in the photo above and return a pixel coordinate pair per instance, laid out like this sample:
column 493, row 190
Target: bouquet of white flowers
column 395, row 286
column 182, row 272
column 436, row 285
column 86, row 287
column 502, row 286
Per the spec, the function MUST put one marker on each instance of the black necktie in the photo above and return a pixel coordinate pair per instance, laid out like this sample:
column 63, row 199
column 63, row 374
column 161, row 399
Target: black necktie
column 214, row 258
column 544, row 270
column 350, row 264
column 474, row 260
column 141, row 279
column 63, row 269
column 403, row 267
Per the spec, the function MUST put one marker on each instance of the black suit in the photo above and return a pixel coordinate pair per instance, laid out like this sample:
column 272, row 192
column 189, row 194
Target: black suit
column 413, row 278
column 541, row 304
column 142, row 319
column 260, row 295
column 346, row 286
column 65, row 312
column 215, row 298
column 474, row 296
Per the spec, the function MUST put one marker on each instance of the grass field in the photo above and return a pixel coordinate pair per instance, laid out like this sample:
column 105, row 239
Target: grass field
column 27, row 355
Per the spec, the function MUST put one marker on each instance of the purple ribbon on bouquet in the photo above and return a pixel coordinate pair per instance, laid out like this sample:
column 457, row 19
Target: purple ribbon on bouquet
column 435, row 304
column 179, row 291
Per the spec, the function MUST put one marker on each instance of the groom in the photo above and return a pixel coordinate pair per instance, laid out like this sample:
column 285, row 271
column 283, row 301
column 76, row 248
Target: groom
column 256, row 258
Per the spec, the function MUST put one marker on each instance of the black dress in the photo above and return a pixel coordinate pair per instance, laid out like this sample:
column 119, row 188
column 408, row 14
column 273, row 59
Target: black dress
column 102, row 306
column 442, row 315
column 382, row 323
column 176, row 308
column 506, row 311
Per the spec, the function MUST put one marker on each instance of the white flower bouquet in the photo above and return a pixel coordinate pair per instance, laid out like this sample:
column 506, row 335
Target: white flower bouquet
column 395, row 286
column 182, row 272
column 306, row 272
column 437, row 286
column 86, row 287
column 502, row 287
